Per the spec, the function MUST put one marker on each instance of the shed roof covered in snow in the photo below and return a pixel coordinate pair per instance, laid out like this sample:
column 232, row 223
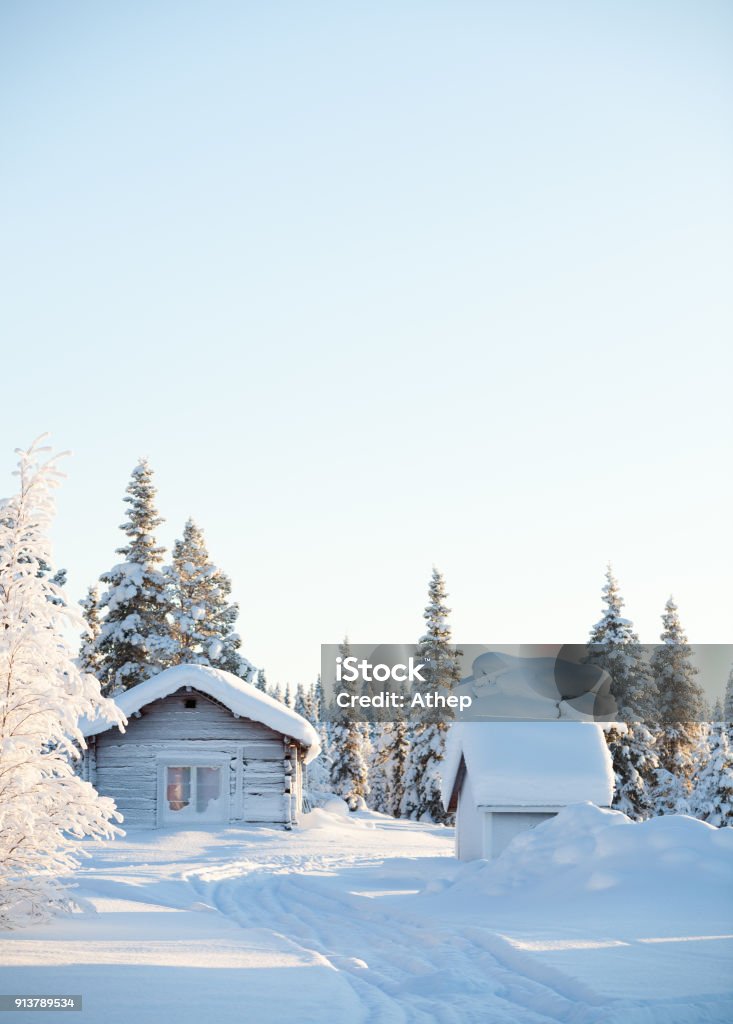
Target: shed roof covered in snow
column 528, row 764
column 243, row 699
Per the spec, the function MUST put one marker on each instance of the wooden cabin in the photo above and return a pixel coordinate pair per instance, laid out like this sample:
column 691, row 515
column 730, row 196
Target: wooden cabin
column 501, row 778
column 200, row 747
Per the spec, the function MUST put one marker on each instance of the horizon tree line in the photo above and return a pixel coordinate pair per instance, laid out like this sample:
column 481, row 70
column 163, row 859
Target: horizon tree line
column 152, row 615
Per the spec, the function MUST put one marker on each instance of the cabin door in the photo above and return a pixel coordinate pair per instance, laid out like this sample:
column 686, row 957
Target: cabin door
column 193, row 793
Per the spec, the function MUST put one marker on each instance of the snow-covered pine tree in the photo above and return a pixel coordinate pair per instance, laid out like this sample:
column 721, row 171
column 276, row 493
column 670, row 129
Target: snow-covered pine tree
column 277, row 693
column 712, row 796
column 89, row 656
column 318, row 707
column 728, row 700
column 615, row 648
column 309, row 707
column 44, row 808
column 681, row 712
column 400, row 749
column 716, row 713
column 261, row 683
column 379, row 773
column 134, row 642
column 202, row 616
column 319, row 771
column 390, row 748
column 304, row 703
column 349, row 769
column 421, row 800
column 635, row 765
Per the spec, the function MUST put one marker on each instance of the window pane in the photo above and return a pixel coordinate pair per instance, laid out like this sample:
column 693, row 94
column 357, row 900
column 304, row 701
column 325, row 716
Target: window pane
column 178, row 792
column 207, row 787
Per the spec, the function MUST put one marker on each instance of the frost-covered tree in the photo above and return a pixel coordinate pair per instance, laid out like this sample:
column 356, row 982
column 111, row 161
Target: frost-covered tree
column 390, row 748
column 44, row 808
column 261, row 683
column 421, row 800
column 716, row 712
column 635, row 766
column 89, row 656
column 728, row 700
column 712, row 796
column 379, row 780
column 304, row 703
column 318, row 772
column 615, row 648
column 349, row 769
column 681, row 710
column 399, row 752
column 318, row 702
column 134, row 641
column 277, row 693
column 58, row 578
column 201, row 615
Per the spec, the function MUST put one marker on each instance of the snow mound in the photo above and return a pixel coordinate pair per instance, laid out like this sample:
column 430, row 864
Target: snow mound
column 587, row 850
column 242, row 699
column 330, row 816
column 530, row 763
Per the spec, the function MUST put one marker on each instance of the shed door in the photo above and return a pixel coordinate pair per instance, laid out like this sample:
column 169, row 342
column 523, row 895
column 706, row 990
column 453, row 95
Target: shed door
column 193, row 793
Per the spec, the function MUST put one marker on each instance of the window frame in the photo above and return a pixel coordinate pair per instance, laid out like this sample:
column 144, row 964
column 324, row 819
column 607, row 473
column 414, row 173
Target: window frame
column 190, row 759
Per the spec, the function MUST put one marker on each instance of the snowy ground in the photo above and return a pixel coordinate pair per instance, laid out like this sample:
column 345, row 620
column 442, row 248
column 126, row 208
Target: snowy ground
column 369, row 919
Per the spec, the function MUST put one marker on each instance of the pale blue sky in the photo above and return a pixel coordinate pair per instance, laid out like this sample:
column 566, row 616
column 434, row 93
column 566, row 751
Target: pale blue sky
column 377, row 286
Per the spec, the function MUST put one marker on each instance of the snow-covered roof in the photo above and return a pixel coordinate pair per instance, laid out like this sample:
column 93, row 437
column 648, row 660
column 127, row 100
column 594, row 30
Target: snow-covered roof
column 529, row 764
column 242, row 699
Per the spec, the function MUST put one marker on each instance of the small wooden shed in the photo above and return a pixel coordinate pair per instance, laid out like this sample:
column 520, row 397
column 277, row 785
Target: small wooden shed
column 501, row 778
column 201, row 746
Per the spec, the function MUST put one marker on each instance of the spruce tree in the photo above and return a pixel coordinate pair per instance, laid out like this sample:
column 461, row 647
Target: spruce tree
column 379, row 768
column 422, row 800
column 201, row 614
column 349, row 770
column 387, row 766
column 615, row 648
column 318, row 705
column 399, row 753
column 304, row 703
column 712, row 797
column 681, row 711
column 635, row 767
column 261, row 681
column 728, row 700
column 89, row 656
column 134, row 641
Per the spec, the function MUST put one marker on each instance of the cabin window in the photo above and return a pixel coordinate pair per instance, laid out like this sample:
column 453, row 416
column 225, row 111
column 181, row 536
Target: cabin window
column 190, row 703
column 192, row 786
column 178, row 791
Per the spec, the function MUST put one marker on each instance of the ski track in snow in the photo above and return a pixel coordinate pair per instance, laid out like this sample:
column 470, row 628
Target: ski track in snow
column 348, row 906
column 399, row 970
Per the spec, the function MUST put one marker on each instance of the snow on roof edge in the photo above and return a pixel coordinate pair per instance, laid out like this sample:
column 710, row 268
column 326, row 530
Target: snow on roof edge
column 579, row 766
column 243, row 699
